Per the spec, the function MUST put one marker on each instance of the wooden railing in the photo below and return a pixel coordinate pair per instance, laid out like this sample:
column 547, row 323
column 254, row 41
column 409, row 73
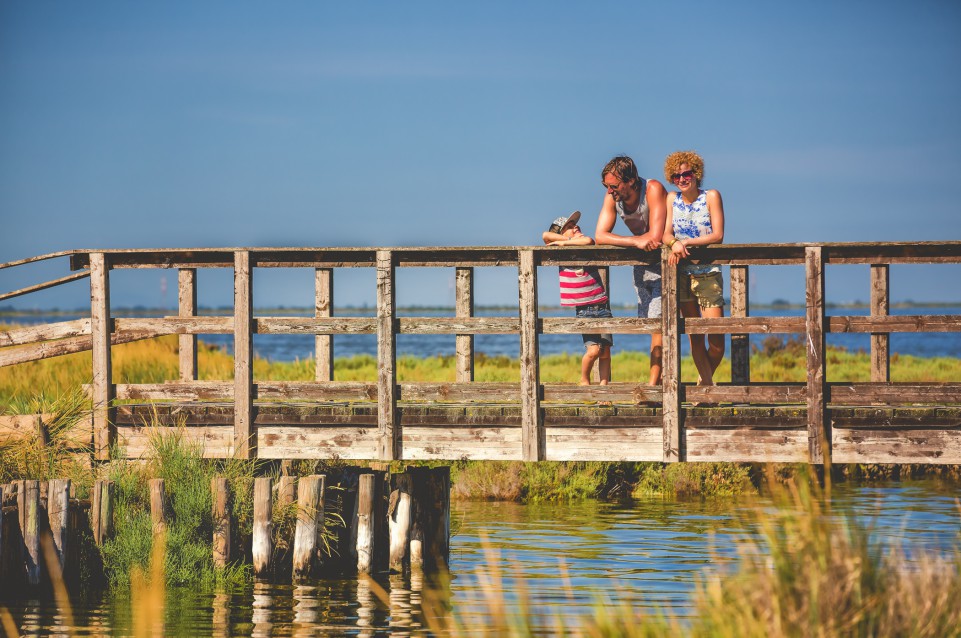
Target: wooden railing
column 816, row 395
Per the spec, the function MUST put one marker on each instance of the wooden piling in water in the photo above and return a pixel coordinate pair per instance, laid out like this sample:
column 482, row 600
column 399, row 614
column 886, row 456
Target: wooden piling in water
column 158, row 506
column 28, row 504
column 101, row 511
column 399, row 522
column 262, row 547
column 369, row 524
column 220, row 517
column 310, row 525
column 58, row 515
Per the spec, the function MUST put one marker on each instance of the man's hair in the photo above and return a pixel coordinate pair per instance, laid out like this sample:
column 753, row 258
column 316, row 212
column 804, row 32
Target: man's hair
column 622, row 167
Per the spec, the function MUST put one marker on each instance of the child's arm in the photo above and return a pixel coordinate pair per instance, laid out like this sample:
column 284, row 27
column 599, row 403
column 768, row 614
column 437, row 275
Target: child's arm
column 579, row 240
column 551, row 238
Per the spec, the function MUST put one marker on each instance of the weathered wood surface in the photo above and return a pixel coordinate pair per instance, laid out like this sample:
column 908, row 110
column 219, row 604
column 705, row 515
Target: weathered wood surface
column 464, row 309
column 308, row 545
column 28, row 508
column 220, row 518
column 158, row 506
column 815, row 350
column 740, row 342
column 102, row 388
column 44, row 286
column 389, row 441
column 262, row 544
column 531, row 420
column 671, row 369
column 44, row 332
column 58, row 517
column 187, row 307
column 323, row 309
column 880, row 307
column 244, row 436
column 50, row 349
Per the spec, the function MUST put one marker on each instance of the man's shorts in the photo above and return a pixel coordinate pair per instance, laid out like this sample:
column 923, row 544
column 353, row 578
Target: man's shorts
column 647, row 283
column 595, row 311
column 706, row 289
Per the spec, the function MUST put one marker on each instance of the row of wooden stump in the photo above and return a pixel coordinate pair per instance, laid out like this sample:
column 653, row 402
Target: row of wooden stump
column 391, row 522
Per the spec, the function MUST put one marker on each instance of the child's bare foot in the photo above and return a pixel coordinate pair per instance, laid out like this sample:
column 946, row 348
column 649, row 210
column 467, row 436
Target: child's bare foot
column 584, row 382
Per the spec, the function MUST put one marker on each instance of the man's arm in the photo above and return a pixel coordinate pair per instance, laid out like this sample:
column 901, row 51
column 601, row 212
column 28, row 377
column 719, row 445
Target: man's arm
column 657, row 203
column 605, row 224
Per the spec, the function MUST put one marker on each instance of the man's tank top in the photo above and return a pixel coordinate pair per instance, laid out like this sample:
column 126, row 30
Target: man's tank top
column 636, row 221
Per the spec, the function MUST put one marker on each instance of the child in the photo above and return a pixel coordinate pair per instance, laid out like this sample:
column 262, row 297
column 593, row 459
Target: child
column 582, row 288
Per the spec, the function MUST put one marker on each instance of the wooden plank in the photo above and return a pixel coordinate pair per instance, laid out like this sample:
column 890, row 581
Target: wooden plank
column 30, row 260
column 44, row 286
column 767, row 393
column 895, row 393
column 50, row 349
column 315, row 325
column 740, row 342
column 175, row 325
column 818, row 436
column 605, row 444
column 616, row 325
column 16, row 428
column 102, row 385
column 896, row 323
column 671, row 371
column 187, row 307
column 44, row 332
column 464, row 308
column 323, row 309
column 458, row 325
column 244, row 433
column 747, row 445
column 533, row 435
column 887, row 446
column 390, row 435
column 743, row 325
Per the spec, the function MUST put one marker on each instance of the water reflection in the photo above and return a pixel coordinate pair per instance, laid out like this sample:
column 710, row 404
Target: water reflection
column 647, row 554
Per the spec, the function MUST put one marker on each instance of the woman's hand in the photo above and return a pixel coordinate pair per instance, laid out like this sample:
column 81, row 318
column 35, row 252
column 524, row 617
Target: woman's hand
column 678, row 252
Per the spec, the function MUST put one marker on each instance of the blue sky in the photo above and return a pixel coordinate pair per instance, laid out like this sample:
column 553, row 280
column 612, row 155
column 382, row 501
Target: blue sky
column 186, row 124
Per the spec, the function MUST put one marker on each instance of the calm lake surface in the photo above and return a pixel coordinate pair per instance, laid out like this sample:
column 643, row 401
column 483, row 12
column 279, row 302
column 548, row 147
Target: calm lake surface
column 291, row 347
column 567, row 556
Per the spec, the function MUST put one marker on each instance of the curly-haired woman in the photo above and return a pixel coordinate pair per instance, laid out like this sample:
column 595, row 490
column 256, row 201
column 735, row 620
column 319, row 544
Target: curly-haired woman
column 695, row 217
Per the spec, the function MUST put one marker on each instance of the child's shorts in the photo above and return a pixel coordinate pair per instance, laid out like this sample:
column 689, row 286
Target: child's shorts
column 706, row 289
column 596, row 311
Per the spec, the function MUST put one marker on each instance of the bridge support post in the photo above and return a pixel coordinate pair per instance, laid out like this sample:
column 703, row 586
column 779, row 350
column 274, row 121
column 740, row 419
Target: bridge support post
column 533, row 436
column 740, row 343
column 262, row 546
column 187, row 307
column 370, row 524
column 389, row 442
column 819, row 440
column 58, row 515
column 220, row 515
column 464, row 307
column 671, row 365
column 245, row 439
column 310, row 525
column 880, row 307
column 324, row 307
column 100, row 329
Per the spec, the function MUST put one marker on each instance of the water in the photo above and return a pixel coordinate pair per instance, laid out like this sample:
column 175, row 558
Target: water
column 291, row 347
column 567, row 556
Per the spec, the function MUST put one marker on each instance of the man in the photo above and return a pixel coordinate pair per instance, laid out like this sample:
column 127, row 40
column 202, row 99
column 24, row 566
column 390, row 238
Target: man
column 641, row 204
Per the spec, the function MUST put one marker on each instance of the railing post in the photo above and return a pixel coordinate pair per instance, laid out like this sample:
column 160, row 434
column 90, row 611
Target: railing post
column 187, row 304
column 532, row 422
column 671, row 365
column 389, row 442
column 324, row 307
column 819, row 441
column 880, row 307
column 740, row 343
column 100, row 328
column 464, row 302
column 245, row 441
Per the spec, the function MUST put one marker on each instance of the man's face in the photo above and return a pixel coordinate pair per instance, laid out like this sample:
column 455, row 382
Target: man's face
column 618, row 188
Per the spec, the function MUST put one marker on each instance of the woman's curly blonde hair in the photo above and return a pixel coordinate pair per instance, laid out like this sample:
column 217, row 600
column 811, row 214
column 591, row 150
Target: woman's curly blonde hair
column 691, row 158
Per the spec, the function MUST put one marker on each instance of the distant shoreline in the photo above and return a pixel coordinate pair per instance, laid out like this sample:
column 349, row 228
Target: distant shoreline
column 346, row 310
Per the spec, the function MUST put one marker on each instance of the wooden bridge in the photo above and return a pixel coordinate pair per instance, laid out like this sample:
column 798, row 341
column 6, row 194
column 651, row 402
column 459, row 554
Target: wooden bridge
column 816, row 421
